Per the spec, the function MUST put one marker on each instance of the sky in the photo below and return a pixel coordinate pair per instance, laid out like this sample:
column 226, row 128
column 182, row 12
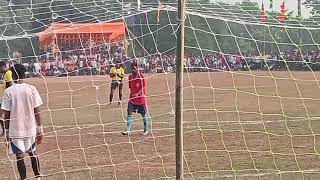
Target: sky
column 291, row 5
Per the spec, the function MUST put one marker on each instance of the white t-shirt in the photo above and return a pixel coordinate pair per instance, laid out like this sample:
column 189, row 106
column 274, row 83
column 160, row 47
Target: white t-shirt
column 144, row 61
column 20, row 100
column 81, row 63
column 25, row 65
column 75, row 57
column 37, row 66
column 94, row 63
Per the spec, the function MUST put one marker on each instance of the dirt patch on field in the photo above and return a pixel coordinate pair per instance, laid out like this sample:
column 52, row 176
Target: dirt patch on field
column 256, row 125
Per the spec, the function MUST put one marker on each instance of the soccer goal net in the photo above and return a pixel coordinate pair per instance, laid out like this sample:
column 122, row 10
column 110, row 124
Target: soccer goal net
column 251, row 88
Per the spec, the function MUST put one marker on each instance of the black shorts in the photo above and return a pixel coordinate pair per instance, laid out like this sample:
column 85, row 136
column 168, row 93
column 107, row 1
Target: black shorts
column 134, row 108
column 115, row 84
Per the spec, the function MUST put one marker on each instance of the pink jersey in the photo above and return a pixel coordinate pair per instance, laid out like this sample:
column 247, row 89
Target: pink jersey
column 137, row 87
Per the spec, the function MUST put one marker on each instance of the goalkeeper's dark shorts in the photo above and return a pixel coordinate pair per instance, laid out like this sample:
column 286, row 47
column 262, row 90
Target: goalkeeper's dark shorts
column 141, row 108
column 116, row 83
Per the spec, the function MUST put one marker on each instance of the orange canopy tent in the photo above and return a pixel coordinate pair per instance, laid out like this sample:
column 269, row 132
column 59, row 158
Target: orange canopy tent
column 71, row 32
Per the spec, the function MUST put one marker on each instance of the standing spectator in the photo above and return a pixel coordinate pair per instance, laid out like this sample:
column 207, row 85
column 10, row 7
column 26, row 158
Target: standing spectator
column 81, row 66
column 94, row 67
column 37, row 68
column 61, row 66
column 47, row 68
column 144, row 63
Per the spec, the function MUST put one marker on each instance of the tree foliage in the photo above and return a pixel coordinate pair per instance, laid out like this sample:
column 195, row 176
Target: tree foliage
column 314, row 5
column 210, row 27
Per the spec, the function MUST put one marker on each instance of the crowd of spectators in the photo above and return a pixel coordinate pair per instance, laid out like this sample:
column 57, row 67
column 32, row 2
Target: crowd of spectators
column 80, row 60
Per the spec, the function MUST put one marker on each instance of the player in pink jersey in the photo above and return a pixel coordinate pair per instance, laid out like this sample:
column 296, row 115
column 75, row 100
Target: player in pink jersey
column 137, row 102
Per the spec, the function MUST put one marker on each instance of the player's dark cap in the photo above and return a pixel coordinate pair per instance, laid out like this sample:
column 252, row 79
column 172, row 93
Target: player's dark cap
column 18, row 71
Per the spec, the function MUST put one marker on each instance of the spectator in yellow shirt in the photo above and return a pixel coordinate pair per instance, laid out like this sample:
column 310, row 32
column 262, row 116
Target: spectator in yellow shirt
column 7, row 82
column 117, row 74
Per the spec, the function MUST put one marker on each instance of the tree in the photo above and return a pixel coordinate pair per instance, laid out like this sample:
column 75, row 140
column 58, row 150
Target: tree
column 314, row 5
column 210, row 26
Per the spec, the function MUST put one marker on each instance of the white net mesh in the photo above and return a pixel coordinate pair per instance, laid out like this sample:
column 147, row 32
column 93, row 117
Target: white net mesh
column 250, row 104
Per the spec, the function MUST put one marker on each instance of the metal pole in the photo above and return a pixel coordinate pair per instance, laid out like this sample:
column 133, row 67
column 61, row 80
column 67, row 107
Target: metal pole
column 179, row 91
column 299, row 8
column 264, row 41
column 300, row 18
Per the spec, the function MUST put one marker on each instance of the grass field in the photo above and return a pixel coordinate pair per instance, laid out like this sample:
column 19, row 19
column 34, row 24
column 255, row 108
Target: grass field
column 237, row 126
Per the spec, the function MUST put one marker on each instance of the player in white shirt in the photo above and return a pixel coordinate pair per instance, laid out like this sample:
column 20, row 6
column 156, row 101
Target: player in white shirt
column 24, row 131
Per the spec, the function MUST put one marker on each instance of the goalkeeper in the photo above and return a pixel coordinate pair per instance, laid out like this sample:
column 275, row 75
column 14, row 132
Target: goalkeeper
column 21, row 104
column 137, row 100
column 117, row 74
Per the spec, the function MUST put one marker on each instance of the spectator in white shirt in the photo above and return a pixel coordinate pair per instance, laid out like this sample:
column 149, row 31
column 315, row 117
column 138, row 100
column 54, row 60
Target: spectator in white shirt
column 37, row 68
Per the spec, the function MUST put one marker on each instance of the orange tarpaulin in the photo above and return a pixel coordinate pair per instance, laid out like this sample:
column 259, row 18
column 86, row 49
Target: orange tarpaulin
column 109, row 32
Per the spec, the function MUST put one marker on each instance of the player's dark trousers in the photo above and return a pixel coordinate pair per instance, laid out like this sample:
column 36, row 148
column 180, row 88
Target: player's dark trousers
column 22, row 167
